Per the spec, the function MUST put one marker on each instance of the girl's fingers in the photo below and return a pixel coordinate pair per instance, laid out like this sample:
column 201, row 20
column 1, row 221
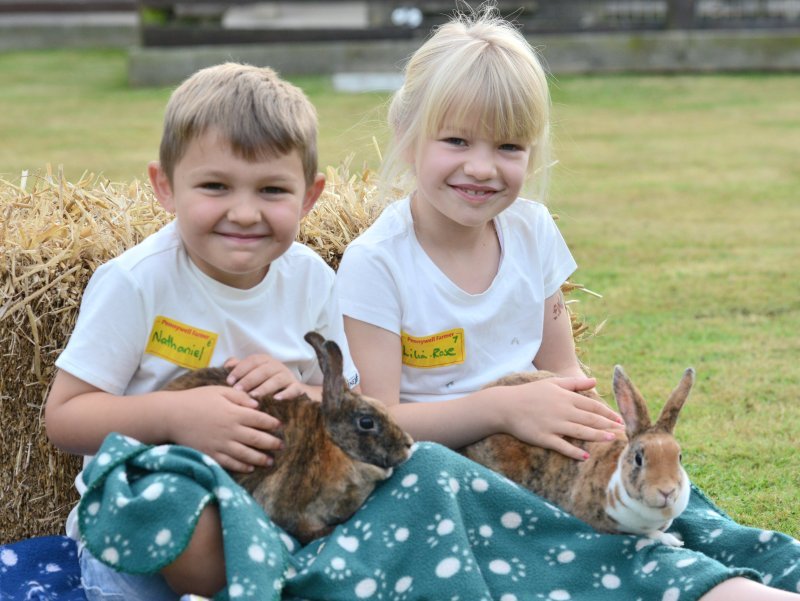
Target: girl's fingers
column 600, row 410
column 567, row 449
column 581, row 432
column 575, row 384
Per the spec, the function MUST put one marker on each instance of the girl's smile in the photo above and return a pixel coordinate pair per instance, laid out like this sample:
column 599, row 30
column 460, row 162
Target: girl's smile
column 468, row 178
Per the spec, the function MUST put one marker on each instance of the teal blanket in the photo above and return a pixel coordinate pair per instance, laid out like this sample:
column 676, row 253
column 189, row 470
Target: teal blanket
column 442, row 527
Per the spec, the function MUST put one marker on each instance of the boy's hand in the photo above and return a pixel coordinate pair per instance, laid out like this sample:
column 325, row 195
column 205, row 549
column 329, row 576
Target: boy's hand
column 261, row 375
column 225, row 424
column 544, row 412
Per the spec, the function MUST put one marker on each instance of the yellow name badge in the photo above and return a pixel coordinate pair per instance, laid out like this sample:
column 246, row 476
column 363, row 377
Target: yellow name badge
column 436, row 350
column 181, row 344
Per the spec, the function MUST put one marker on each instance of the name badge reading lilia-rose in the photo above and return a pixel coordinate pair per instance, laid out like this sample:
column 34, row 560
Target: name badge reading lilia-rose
column 435, row 350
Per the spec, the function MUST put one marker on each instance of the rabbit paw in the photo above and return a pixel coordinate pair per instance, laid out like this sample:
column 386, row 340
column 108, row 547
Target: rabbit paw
column 665, row 537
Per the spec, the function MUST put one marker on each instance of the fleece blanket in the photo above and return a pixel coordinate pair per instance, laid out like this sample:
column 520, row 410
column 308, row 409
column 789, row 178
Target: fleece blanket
column 442, row 527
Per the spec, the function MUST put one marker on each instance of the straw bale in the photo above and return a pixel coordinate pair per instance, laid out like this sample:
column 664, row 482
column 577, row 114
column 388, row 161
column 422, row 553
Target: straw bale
column 53, row 235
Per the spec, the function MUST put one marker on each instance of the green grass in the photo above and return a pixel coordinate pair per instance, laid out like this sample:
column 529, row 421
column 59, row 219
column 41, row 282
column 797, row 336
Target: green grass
column 74, row 109
column 677, row 195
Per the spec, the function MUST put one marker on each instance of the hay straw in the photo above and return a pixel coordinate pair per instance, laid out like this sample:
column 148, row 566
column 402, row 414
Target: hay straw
column 53, row 235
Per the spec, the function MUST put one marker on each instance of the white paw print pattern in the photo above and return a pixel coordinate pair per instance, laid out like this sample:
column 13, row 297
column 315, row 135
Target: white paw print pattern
column 558, row 513
column 765, row 541
column 480, row 536
column 242, row 588
column 261, row 551
column 560, row 555
column 403, row 589
column 606, row 578
column 377, row 587
column 710, row 536
column 523, row 524
column 676, row 586
column 726, row 557
column 230, row 497
column 394, row 535
column 628, row 549
column 513, row 568
column 475, row 481
column 441, row 527
column 409, row 485
column 337, row 569
column 459, row 560
column 162, row 545
column 350, row 539
column 648, row 570
column 373, row 587
column 448, row 484
column 90, row 515
column 559, row 594
column 114, row 548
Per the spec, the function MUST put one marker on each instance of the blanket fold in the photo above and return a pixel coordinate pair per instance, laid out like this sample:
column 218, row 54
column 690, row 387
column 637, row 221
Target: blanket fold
column 142, row 503
column 442, row 527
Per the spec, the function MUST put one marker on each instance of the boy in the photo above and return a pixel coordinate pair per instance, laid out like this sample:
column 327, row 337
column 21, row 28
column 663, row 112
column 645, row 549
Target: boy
column 238, row 168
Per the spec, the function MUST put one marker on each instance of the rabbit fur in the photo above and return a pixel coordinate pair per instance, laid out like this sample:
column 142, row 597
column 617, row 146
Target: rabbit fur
column 333, row 454
column 634, row 484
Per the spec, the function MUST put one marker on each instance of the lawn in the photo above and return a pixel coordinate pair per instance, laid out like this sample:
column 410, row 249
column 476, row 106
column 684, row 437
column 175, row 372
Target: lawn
column 677, row 195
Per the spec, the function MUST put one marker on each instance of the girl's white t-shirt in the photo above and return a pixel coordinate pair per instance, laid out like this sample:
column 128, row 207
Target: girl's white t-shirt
column 455, row 342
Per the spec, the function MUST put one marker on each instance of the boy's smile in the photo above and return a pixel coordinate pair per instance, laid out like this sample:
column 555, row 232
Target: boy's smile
column 235, row 216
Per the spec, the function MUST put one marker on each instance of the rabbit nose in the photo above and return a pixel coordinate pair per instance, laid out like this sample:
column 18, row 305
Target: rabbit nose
column 667, row 494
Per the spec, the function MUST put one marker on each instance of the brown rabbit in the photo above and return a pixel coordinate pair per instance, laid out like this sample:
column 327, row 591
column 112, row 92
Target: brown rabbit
column 633, row 485
column 334, row 452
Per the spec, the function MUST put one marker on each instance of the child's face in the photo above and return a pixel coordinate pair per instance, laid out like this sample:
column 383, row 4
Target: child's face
column 235, row 216
column 468, row 177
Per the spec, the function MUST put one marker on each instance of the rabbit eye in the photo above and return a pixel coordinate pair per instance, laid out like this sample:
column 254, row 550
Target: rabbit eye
column 365, row 422
column 680, row 457
column 639, row 458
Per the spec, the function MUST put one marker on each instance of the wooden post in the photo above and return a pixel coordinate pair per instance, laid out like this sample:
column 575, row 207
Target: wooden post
column 680, row 14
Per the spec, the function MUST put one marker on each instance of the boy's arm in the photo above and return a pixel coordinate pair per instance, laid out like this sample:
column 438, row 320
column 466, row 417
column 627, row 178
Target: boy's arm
column 222, row 422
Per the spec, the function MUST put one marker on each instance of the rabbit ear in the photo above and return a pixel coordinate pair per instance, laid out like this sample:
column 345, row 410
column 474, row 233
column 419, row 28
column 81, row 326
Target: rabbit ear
column 669, row 414
column 331, row 363
column 631, row 403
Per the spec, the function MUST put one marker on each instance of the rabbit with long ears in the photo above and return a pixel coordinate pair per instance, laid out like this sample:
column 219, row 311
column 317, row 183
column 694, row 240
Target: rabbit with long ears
column 333, row 454
column 633, row 484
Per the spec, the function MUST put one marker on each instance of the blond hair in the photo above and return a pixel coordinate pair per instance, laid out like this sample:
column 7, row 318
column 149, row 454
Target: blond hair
column 254, row 110
column 477, row 64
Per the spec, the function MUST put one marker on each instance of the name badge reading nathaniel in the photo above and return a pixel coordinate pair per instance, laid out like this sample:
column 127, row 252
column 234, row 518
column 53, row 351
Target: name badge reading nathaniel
column 436, row 350
column 180, row 343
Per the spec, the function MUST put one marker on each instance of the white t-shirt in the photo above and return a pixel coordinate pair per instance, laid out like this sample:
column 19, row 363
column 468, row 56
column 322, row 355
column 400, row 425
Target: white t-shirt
column 150, row 314
column 455, row 342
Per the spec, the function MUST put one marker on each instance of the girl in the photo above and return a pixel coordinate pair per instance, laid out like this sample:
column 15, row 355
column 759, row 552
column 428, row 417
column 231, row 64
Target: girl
column 459, row 283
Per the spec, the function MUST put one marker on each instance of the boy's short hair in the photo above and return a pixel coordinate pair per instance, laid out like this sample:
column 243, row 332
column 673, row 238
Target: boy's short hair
column 257, row 112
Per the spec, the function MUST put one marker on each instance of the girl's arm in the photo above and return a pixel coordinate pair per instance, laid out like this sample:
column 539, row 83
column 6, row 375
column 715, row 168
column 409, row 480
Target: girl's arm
column 557, row 352
column 539, row 412
column 219, row 421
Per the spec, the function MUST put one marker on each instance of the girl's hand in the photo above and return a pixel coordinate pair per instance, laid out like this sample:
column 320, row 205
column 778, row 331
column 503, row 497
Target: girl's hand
column 544, row 412
column 261, row 375
column 225, row 424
